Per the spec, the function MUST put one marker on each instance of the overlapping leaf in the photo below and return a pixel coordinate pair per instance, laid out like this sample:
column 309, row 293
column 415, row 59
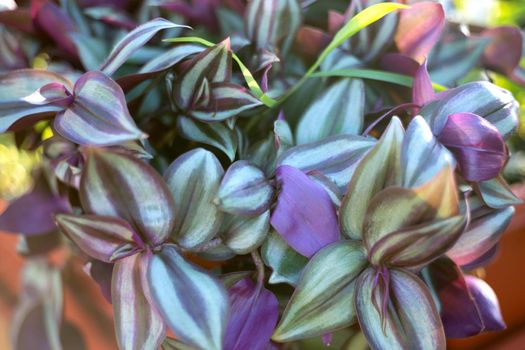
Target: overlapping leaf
column 323, row 299
column 380, row 168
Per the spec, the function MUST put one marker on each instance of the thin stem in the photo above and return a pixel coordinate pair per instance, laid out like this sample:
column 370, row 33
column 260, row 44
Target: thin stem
column 260, row 268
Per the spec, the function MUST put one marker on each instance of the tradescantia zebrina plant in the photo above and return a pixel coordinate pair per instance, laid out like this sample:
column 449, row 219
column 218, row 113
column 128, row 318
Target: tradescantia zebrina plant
column 259, row 174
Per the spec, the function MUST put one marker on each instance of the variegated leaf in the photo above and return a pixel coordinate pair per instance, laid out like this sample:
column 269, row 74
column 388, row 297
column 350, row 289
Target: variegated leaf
column 482, row 234
column 244, row 190
column 482, row 98
column 267, row 22
column 379, row 169
column 213, row 134
column 15, row 89
column 339, row 110
column 194, row 179
column 399, row 314
column 192, row 302
column 226, row 100
column 286, row 263
column 244, row 234
column 98, row 114
column 101, row 237
column 450, row 61
column 119, row 185
column 138, row 324
column 422, row 156
column 323, row 300
column 133, row 41
column 212, row 65
column 496, row 193
column 395, row 208
column 336, row 157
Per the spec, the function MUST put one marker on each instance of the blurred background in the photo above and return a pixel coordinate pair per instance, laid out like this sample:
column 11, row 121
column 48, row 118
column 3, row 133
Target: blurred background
column 86, row 309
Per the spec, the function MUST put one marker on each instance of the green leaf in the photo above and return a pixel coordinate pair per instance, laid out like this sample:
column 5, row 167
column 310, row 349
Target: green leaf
column 371, row 74
column 323, row 300
column 286, row 263
column 194, row 179
column 214, row 134
column 355, row 24
column 339, row 110
column 243, row 234
column 380, row 168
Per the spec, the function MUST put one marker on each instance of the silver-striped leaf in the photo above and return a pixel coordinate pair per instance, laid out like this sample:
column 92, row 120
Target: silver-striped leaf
column 243, row 234
column 194, row 180
column 339, row 110
column 380, row 168
column 336, row 157
column 133, row 41
column 192, row 302
column 410, row 319
column 137, row 322
column 244, row 190
column 119, row 185
column 324, row 298
column 98, row 115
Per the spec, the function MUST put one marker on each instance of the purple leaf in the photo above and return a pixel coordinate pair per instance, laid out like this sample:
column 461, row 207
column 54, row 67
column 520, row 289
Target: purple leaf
column 34, row 212
column 399, row 63
column 396, row 311
column 98, row 115
column 101, row 273
column 103, row 238
column 468, row 305
column 299, row 202
column 50, row 18
column 133, row 41
column 119, row 185
column 482, row 98
column 477, row 145
column 137, row 322
column 487, row 303
column 419, row 29
column 422, row 90
column 503, row 53
column 253, row 315
column 17, row 86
